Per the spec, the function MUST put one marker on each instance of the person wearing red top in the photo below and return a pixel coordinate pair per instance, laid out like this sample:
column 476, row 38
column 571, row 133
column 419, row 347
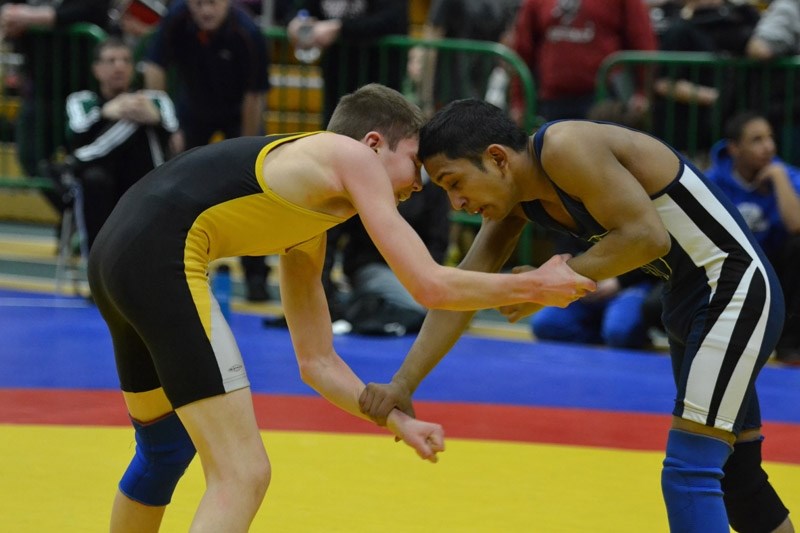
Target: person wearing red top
column 565, row 41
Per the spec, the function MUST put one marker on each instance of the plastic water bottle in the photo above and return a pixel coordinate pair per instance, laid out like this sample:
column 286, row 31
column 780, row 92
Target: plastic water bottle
column 305, row 51
column 221, row 287
column 497, row 87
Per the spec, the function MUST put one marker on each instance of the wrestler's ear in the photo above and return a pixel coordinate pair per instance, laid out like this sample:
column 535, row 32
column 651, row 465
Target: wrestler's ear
column 497, row 155
column 373, row 139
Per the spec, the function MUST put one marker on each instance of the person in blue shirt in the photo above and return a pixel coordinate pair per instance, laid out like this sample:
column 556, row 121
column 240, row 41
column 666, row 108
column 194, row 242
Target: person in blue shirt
column 766, row 191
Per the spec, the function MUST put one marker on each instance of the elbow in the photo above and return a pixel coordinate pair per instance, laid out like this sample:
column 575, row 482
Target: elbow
column 429, row 297
column 659, row 243
column 309, row 370
column 431, row 294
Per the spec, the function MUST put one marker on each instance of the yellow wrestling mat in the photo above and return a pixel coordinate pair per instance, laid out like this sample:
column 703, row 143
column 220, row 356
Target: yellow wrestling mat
column 63, row 479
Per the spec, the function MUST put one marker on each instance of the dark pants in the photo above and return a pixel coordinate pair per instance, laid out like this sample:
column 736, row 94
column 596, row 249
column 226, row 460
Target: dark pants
column 789, row 276
column 99, row 198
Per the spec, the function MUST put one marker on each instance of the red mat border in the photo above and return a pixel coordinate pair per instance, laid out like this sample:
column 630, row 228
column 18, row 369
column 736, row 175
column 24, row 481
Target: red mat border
column 575, row 427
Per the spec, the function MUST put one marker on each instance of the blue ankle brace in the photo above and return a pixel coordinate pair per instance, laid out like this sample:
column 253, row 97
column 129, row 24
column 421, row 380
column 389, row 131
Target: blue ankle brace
column 690, row 482
column 163, row 452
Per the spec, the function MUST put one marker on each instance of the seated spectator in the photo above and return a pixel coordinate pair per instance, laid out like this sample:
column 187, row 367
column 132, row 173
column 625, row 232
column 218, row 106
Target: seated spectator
column 117, row 135
column 377, row 303
column 767, row 193
column 612, row 315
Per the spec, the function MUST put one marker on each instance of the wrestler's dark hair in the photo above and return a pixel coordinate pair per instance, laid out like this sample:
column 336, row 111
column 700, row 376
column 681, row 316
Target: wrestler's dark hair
column 463, row 129
column 375, row 107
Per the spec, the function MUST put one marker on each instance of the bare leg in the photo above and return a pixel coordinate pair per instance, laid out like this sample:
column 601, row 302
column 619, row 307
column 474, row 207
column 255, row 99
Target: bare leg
column 785, row 527
column 235, row 463
column 128, row 516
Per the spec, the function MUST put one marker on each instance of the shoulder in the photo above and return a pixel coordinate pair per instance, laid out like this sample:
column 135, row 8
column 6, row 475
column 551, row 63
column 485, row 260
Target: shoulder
column 343, row 148
column 565, row 134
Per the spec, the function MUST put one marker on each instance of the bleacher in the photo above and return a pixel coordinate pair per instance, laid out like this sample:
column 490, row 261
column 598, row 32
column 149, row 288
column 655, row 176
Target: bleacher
column 296, row 100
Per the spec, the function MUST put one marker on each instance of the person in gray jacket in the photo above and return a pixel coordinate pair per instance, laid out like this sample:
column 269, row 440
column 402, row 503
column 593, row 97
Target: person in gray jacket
column 778, row 35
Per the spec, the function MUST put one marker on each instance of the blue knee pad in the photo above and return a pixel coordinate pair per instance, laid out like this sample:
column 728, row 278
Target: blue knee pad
column 163, row 452
column 690, row 482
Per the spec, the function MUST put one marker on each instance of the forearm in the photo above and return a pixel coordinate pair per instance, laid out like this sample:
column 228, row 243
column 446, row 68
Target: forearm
column 758, row 48
column 155, row 77
column 440, row 331
column 687, row 92
column 468, row 288
column 788, row 203
column 40, row 16
column 330, row 376
column 616, row 254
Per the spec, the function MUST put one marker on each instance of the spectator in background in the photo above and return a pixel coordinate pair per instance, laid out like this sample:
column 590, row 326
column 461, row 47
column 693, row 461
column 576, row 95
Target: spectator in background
column 221, row 62
column 117, row 135
column 766, row 191
column 445, row 76
column 448, row 76
column 776, row 35
column 564, row 42
column 378, row 304
column 717, row 26
column 612, row 315
column 40, row 121
column 345, row 31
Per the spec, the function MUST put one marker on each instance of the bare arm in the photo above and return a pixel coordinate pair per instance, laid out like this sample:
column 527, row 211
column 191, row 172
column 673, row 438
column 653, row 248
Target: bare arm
column 441, row 329
column 155, row 77
column 15, row 19
column 785, row 194
column 306, row 309
column 613, row 196
column 758, row 48
column 428, row 81
column 433, row 285
column 304, row 303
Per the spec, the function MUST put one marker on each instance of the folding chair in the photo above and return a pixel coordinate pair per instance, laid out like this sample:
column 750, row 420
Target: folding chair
column 68, row 266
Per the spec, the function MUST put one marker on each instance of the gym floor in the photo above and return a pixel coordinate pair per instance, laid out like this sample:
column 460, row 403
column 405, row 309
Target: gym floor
column 542, row 437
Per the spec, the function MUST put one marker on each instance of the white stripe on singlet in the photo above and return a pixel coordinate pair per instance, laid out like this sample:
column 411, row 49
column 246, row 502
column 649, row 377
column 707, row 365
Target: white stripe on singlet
column 705, row 253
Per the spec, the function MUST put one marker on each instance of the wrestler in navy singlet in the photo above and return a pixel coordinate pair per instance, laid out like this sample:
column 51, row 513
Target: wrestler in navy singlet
column 723, row 305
